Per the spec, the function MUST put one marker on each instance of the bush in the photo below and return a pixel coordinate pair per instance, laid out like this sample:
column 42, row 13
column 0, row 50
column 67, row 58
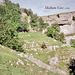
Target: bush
column 73, row 18
column 43, row 45
column 42, row 25
column 53, row 32
column 72, row 42
column 62, row 37
column 9, row 22
column 15, row 45
column 49, row 32
column 58, row 16
column 72, row 67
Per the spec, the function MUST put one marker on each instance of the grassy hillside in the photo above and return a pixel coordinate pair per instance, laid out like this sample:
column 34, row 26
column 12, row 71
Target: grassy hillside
column 37, row 36
column 8, row 66
column 32, row 46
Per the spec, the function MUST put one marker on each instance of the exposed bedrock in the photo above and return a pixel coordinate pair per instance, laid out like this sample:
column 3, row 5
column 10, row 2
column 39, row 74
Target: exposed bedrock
column 65, row 21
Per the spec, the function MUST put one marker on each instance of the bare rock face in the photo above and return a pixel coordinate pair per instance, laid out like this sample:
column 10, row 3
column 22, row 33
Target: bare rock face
column 67, row 29
column 65, row 21
column 23, row 15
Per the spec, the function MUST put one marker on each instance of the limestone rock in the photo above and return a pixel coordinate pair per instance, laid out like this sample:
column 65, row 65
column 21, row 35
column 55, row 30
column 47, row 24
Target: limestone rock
column 67, row 25
column 20, row 61
column 54, row 61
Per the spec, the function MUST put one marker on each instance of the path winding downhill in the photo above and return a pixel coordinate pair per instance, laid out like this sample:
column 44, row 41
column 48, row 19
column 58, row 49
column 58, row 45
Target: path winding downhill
column 43, row 65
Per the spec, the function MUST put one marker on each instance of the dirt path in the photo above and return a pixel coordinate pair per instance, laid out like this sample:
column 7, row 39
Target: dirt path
column 43, row 65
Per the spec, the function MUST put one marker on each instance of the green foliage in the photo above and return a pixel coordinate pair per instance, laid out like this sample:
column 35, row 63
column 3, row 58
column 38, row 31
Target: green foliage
column 43, row 45
column 6, row 1
column 73, row 18
column 28, row 12
column 53, row 32
column 62, row 37
column 50, row 32
column 9, row 21
column 34, row 21
column 58, row 16
column 72, row 42
column 56, row 27
column 42, row 25
column 22, row 27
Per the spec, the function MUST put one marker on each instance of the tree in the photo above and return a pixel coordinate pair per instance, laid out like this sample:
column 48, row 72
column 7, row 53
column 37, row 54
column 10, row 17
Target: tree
column 22, row 27
column 53, row 32
column 50, row 32
column 28, row 12
column 9, row 21
column 34, row 21
column 42, row 25
column 6, row 1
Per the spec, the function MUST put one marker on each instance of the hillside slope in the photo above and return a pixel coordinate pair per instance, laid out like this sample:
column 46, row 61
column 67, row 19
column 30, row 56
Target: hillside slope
column 56, row 54
column 12, row 64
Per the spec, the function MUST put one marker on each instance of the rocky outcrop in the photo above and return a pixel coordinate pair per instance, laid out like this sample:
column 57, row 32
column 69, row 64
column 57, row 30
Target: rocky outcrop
column 65, row 21
column 68, row 39
column 23, row 14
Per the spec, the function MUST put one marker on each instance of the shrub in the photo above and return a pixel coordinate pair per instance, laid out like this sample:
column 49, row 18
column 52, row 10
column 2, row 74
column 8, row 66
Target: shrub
column 49, row 32
column 9, row 22
column 43, row 45
column 53, row 32
column 73, row 18
column 58, row 16
column 72, row 42
column 15, row 45
column 42, row 25
column 72, row 67
column 62, row 37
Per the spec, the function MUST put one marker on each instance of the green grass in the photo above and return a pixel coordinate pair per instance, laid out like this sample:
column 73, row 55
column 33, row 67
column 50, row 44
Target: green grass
column 43, row 54
column 46, row 54
column 6, row 69
column 37, row 36
column 66, row 53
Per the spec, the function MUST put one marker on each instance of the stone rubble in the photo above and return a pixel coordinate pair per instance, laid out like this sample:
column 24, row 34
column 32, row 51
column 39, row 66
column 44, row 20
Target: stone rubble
column 43, row 65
